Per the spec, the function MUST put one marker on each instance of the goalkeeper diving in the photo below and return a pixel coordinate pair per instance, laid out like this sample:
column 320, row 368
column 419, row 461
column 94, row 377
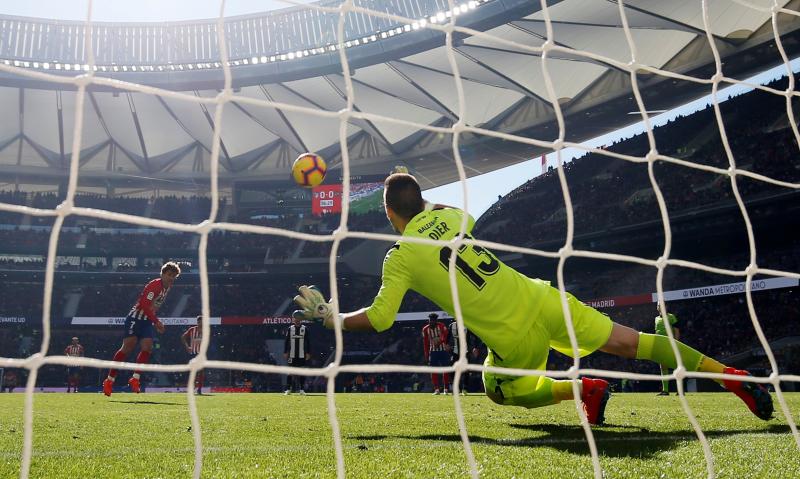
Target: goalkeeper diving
column 518, row 318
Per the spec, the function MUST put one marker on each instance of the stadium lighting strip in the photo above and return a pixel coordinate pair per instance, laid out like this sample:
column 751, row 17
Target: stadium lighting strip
column 437, row 18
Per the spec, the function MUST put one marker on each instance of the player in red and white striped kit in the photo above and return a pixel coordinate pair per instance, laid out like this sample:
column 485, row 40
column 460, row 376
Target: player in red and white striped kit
column 434, row 339
column 191, row 341
column 73, row 350
column 140, row 323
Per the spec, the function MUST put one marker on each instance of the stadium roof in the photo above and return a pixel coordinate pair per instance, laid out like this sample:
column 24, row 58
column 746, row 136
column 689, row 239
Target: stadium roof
column 136, row 139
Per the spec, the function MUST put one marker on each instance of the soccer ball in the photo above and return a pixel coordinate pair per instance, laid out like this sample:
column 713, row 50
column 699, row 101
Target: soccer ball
column 309, row 170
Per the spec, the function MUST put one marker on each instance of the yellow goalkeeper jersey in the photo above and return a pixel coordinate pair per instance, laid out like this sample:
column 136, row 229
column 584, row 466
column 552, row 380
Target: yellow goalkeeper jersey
column 497, row 302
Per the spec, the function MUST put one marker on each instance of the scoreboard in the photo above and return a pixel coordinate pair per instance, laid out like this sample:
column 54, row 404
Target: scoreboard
column 326, row 199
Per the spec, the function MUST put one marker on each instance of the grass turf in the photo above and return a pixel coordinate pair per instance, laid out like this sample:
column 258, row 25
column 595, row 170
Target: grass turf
column 387, row 436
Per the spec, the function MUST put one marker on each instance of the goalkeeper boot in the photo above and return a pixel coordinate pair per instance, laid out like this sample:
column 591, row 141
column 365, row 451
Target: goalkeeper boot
column 595, row 396
column 755, row 395
column 135, row 385
column 108, row 387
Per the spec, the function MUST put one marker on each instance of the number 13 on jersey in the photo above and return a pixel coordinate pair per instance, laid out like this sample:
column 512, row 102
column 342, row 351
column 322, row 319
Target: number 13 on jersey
column 472, row 261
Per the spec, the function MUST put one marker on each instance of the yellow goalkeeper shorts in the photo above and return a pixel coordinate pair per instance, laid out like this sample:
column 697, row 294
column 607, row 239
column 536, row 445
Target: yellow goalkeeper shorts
column 549, row 330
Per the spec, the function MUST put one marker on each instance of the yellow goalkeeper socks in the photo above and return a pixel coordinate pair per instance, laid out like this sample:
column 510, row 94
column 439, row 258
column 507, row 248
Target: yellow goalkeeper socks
column 657, row 348
column 562, row 390
column 711, row 365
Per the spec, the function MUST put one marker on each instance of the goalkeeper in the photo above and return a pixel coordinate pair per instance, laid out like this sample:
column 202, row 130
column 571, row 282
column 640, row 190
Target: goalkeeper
column 519, row 318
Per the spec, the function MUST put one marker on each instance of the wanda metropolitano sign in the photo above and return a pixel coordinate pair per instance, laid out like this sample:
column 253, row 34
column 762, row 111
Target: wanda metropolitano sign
column 695, row 293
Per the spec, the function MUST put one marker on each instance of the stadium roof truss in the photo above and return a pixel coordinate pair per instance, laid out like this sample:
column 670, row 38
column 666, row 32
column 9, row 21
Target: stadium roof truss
column 132, row 138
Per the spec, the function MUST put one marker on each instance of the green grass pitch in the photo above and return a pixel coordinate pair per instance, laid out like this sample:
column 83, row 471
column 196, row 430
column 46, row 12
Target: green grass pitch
column 387, row 436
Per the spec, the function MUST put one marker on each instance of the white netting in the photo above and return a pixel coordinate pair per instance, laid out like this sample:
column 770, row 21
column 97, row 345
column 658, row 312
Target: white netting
column 550, row 47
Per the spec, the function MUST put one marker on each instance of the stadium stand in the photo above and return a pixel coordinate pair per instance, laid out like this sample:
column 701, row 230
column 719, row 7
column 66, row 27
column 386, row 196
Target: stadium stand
column 608, row 193
column 104, row 263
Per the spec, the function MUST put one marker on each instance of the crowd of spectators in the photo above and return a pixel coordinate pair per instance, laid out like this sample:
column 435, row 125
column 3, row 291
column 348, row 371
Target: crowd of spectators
column 25, row 300
column 183, row 209
column 608, row 192
column 601, row 279
column 93, row 248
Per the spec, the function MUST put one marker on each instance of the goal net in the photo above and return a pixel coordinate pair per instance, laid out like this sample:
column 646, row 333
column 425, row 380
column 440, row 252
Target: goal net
column 445, row 23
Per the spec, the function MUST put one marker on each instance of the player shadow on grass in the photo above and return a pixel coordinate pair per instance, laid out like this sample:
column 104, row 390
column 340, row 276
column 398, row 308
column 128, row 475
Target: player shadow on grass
column 160, row 403
column 621, row 441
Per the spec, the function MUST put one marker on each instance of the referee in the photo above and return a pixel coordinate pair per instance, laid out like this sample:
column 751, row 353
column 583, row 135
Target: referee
column 452, row 337
column 296, row 350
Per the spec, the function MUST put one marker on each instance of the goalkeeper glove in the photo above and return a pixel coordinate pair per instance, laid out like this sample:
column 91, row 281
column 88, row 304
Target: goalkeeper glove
column 314, row 306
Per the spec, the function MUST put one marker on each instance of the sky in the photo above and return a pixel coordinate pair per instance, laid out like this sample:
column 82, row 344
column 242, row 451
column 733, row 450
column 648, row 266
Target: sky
column 483, row 190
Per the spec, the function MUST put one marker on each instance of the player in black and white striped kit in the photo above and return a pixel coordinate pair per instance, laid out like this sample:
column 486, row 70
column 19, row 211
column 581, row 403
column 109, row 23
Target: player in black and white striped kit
column 454, row 347
column 297, row 350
